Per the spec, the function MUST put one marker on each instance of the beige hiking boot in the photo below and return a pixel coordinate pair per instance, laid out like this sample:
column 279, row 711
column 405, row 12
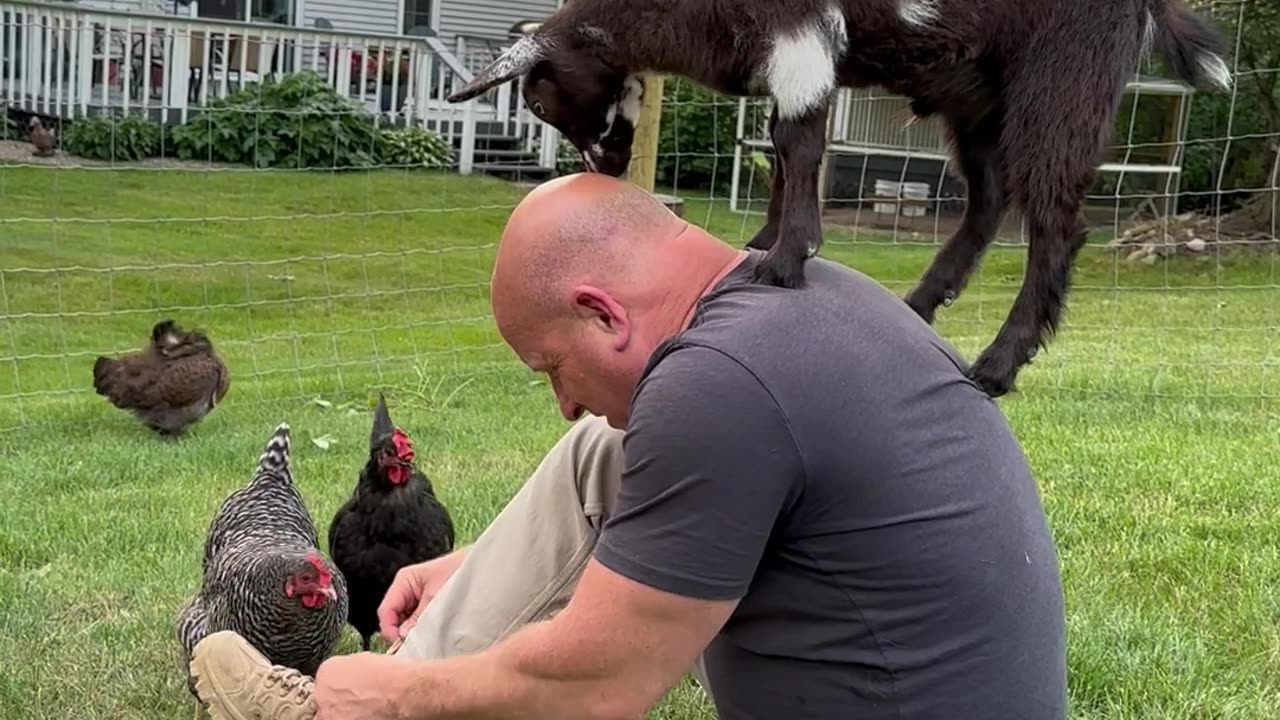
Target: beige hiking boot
column 236, row 682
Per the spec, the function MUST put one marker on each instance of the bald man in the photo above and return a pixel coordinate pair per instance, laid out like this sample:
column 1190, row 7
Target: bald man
column 796, row 495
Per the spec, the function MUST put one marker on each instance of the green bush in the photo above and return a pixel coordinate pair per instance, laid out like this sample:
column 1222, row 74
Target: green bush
column 113, row 138
column 568, row 159
column 413, row 146
column 9, row 127
column 297, row 121
column 695, row 143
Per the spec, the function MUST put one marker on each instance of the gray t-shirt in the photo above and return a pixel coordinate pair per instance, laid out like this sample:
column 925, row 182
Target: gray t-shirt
column 819, row 454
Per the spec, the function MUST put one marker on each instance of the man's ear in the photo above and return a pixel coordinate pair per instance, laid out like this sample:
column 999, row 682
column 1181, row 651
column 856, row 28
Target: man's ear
column 598, row 307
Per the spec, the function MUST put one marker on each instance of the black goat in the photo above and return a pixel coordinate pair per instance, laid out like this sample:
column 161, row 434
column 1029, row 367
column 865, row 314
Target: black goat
column 1028, row 90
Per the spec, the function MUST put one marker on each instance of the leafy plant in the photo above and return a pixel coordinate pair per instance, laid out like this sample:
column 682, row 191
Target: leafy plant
column 696, row 138
column 125, row 138
column 296, row 121
column 413, row 146
column 568, row 159
column 9, row 126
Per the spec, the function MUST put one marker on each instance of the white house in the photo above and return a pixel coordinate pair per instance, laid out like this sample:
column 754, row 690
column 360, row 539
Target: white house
column 474, row 20
column 169, row 58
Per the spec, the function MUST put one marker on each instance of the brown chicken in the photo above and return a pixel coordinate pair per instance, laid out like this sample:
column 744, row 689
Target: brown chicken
column 170, row 384
column 41, row 137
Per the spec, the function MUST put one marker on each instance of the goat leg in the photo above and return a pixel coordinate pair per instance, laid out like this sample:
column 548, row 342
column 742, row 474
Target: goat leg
column 1033, row 319
column 949, row 272
column 768, row 235
column 800, row 143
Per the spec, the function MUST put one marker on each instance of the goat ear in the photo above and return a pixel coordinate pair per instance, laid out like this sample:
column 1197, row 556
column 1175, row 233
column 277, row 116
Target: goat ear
column 595, row 36
column 516, row 61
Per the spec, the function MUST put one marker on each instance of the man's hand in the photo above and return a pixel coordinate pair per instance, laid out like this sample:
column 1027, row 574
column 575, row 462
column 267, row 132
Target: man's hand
column 413, row 588
column 614, row 650
column 363, row 685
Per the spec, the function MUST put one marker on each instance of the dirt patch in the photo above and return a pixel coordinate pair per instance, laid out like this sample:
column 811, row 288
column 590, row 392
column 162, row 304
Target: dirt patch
column 1247, row 230
column 18, row 152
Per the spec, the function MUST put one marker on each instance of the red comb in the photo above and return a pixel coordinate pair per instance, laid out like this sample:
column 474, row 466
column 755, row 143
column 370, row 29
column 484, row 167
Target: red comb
column 404, row 448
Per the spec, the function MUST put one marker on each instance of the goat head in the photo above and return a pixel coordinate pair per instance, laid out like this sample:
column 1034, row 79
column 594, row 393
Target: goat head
column 593, row 102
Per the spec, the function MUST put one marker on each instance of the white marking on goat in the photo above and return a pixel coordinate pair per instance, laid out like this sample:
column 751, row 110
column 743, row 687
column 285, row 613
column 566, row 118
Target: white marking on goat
column 629, row 105
column 1148, row 33
column 631, row 99
column 801, row 71
column 836, row 27
column 1216, row 69
column 919, row 12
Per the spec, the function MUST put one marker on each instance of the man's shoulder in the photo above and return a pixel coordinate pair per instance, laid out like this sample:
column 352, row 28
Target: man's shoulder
column 690, row 371
column 842, row 324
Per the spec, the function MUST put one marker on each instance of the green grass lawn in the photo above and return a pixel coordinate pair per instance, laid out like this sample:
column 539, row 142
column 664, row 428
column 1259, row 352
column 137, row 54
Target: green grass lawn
column 1152, row 422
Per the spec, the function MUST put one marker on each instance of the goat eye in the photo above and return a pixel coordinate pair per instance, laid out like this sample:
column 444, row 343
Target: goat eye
column 537, row 107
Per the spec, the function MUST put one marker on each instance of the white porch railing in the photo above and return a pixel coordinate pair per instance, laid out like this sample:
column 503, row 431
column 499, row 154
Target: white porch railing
column 72, row 61
column 473, row 54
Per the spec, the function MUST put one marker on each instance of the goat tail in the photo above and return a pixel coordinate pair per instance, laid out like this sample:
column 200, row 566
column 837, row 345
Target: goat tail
column 1191, row 47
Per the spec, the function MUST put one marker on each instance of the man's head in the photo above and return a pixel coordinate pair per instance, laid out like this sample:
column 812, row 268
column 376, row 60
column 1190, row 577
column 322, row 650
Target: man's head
column 592, row 274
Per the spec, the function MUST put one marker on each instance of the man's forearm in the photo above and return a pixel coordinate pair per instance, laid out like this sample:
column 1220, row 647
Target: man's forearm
column 531, row 674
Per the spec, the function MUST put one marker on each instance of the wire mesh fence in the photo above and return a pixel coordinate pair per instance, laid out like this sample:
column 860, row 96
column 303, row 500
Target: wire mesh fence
column 324, row 254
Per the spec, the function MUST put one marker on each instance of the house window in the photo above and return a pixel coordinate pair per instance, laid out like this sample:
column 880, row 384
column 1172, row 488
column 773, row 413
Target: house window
column 220, row 9
column 416, row 13
column 273, row 11
column 263, row 11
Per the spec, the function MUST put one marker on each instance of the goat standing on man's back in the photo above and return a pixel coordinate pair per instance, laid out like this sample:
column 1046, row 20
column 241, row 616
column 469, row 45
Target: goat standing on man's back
column 1028, row 90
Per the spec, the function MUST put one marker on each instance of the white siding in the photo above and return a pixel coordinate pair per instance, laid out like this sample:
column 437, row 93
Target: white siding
column 488, row 18
column 372, row 16
column 153, row 7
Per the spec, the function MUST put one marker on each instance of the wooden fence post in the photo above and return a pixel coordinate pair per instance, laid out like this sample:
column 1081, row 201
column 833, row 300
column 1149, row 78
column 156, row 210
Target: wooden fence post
column 643, row 169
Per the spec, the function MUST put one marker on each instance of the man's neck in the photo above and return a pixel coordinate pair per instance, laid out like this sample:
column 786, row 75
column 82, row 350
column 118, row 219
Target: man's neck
column 724, row 270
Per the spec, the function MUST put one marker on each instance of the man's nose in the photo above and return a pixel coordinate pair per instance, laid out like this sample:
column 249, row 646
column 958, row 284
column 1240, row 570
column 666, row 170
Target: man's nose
column 568, row 408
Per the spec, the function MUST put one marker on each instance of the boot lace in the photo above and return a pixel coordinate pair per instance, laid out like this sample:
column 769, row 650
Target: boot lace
column 294, row 684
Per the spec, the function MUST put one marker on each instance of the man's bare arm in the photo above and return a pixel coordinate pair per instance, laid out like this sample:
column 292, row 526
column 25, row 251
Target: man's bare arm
column 613, row 652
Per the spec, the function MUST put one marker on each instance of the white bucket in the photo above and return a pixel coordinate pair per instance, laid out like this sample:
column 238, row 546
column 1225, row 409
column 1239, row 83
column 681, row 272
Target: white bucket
column 889, row 189
column 915, row 191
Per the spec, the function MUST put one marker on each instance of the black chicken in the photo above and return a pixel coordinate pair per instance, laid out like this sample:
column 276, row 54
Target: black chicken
column 171, row 383
column 392, row 519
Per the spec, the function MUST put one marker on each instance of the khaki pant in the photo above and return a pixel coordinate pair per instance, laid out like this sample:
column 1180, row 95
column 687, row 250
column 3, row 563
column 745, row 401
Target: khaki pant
column 525, row 565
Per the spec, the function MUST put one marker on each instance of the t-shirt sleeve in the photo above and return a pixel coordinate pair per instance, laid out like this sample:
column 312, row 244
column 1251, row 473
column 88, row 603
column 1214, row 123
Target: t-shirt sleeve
column 710, row 468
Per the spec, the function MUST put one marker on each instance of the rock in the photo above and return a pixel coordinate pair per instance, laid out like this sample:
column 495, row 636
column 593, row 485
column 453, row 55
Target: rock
column 673, row 203
column 1195, row 244
column 1151, row 259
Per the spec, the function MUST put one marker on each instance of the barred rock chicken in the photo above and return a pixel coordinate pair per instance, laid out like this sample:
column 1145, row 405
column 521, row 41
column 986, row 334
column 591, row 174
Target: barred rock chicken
column 264, row 577
column 170, row 384
column 392, row 519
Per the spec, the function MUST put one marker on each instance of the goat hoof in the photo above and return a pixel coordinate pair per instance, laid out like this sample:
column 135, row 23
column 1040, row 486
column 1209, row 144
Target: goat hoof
column 763, row 240
column 948, row 297
column 993, row 373
column 919, row 307
column 781, row 271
